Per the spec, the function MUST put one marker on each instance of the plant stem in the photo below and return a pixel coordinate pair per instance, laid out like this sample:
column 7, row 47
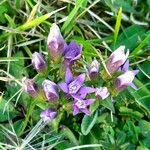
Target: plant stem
column 29, row 112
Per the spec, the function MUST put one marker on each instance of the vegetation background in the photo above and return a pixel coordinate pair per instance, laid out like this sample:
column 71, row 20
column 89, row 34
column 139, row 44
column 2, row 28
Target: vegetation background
column 100, row 26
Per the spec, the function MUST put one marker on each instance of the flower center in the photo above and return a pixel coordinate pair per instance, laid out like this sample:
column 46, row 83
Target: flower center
column 80, row 104
column 73, row 87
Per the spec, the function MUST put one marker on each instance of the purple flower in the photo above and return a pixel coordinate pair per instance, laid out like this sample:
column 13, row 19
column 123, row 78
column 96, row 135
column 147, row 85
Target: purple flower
column 30, row 87
column 124, row 68
column 80, row 105
column 48, row 115
column 94, row 69
column 116, row 59
column 50, row 90
column 72, row 53
column 55, row 42
column 102, row 93
column 38, row 61
column 125, row 80
column 73, row 86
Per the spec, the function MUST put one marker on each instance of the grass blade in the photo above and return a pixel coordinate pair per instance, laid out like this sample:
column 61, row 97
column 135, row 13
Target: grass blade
column 117, row 26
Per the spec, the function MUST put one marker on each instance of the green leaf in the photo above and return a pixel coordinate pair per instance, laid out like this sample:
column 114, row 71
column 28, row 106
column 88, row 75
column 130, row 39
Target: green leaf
column 141, row 45
column 68, row 25
column 142, row 148
column 17, row 68
column 63, row 145
column 145, row 100
column 130, row 113
column 102, row 118
column 10, row 113
column 108, row 104
column 67, row 133
column 130, row 37
column 145, row 128
column 141, row 95
column 10, row 20
column 37, row 21
column 88, row 122
column 117, row 26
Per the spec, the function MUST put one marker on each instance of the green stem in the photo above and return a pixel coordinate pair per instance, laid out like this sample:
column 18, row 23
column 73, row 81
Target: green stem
column 29, row 112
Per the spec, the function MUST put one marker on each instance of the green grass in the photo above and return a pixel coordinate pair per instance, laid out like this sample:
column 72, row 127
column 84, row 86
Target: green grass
column 121, row 122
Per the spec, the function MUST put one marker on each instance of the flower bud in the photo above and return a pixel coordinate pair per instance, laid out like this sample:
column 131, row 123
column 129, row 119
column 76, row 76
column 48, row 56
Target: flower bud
column 94, row 69
column 72, row 51
column 55, row 42
column 50, row 90
column 48, row 115
column 102, row 93
column 29, row 86
column 38, row 62
column 125, row 80
column 71, row 54
column 116, row 59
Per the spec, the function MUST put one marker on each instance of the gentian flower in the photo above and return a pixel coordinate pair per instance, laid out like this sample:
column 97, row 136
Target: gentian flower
column 116, row 59
column 73, row 86
column 72, row 52
column 48, row 115
column 38, row 62
column 55, row 42
column 102, row 93
column 93, row 69
column 29, row 86
column 50, row 90
column 80, row 105
column 125, row 80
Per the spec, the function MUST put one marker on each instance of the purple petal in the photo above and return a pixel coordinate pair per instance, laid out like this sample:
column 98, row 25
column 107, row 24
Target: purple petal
column 68, row 76
column 73, row 50
column 80, row 78
column 75, row 85
column 102, row 92
column 64, row 87
column 86, row 111
column 89, row 101
column 133, row 86
column 75, row 110
column 50, row 90
column 76, row 97
column 125, row 66
column 86, row 90
column 48, row 114
column 77, row 57
column 30, row 86
column 135, row 72
column 38, row 61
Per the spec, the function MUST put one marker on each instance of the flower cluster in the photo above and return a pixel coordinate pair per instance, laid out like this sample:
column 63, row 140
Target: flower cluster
column 74, row 88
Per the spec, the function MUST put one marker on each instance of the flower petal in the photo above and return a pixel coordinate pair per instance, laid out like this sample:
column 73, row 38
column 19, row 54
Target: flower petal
column 125, row 66
column 75, row 110
column 75, row 58
column 80, row 78
column 86, row 90
column 63, row 86
column 89, row 101
column 76, row 97
column 135, row 72
column 133, row 86
column 72, row 50
column 86, row 111
column 68, row 76
column 75, row 85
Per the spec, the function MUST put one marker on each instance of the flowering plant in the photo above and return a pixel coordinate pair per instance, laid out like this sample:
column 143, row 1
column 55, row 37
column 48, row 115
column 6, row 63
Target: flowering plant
column 68, row 92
